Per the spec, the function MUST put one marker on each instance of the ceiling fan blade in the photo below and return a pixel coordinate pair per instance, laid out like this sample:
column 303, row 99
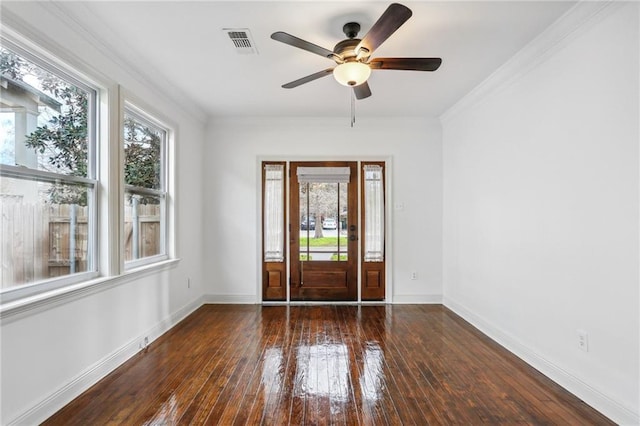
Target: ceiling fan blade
column 301, row 44
column 362, row 91
column 308, row 78
column 412, row 64
column 392, row 18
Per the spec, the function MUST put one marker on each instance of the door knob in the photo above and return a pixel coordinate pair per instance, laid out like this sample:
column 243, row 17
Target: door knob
column 352, row 237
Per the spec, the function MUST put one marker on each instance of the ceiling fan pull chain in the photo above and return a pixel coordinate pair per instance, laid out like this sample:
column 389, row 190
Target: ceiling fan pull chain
column 353, row 108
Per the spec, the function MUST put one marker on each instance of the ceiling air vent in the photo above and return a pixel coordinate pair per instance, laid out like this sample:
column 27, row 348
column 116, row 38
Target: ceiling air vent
column 242, row 41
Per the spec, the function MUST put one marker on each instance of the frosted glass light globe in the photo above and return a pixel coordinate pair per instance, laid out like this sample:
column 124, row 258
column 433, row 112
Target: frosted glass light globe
column 351, row 73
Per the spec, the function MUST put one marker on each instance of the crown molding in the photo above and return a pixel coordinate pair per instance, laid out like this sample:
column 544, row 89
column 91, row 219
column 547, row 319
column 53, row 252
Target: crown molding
column 560, row 33
column 70, row 14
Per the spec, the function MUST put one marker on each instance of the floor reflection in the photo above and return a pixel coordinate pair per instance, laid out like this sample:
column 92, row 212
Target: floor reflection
column 322, row 370
column 345, row 379
column 167, row 414
column 272, row 371
column 372, row 381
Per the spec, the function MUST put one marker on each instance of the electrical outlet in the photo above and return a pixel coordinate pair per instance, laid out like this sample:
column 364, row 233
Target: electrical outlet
column 583, row 340
column 414, row 275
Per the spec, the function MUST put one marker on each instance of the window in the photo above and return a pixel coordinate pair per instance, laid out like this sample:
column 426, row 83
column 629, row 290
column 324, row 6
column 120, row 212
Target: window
column 145, row 195
column 273, row 213
column 56, row 205
column 374, row 213
column 48, row 175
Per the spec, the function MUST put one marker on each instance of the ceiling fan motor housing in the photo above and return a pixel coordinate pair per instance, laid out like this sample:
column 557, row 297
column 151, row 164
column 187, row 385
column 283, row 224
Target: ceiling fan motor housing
column 346, row 49
column 352, row 54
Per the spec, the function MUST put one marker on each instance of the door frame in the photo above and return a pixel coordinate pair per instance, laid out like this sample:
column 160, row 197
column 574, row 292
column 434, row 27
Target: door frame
column 322, row 269
column 388, row 184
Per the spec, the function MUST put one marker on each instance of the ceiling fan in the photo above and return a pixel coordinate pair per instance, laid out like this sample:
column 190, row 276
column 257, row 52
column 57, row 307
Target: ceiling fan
column 352, row 55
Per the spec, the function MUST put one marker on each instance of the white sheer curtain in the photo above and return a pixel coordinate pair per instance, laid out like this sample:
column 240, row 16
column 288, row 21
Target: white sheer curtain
column 373, row 214
column 273, row 213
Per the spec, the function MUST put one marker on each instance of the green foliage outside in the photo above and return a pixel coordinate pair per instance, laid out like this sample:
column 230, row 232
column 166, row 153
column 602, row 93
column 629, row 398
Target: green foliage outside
column 11, row 65
column 334, row 257
column 142, row 150
column 64, row 137
column 62, row 141
column 66, row 134
column 323, row 242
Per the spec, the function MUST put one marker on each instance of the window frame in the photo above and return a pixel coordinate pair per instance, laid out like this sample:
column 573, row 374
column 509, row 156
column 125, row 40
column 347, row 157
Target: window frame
column 54, row 65
column 104, row 126
column 143, row 116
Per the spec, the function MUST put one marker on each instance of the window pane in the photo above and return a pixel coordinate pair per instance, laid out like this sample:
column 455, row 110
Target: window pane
column 142, row 226
column 143, row 146
column 145, row 189
column 274, row 213
column 342, row 222
column 323, row 207
column 374, row 214
column 47, row 170
column 42, row 236
column 7, row 138
column 44, row 118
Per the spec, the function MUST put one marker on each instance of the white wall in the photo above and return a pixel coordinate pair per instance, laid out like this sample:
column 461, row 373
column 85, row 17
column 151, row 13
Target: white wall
column 232, row 209
column 541, row 213
column 52, row 351
column 540, row 220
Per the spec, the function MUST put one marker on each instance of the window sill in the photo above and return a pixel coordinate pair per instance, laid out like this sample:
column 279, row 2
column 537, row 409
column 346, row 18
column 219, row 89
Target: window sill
column 46, row 300
column 138, row 264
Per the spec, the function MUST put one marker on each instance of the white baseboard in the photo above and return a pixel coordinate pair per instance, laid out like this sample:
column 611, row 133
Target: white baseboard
column 593, row 397
column 83, row 381
column 231, row 299
column 48, row 406
column 250, row 299
column 419, row 299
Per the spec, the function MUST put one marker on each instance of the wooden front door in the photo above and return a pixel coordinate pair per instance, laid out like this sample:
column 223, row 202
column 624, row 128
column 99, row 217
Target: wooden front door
column 324, row 231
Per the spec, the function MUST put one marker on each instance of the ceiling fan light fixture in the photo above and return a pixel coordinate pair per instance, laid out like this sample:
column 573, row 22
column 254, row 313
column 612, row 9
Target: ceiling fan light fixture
column 351, row 73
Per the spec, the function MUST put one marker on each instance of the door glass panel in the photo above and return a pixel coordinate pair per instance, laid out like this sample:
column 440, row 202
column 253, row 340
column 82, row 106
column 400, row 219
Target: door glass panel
column 342, row 221
column 323, row 208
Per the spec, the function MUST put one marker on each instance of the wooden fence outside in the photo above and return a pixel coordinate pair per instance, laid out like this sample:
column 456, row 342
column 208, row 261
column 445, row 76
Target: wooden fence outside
column 36, row 243
column 148, row 232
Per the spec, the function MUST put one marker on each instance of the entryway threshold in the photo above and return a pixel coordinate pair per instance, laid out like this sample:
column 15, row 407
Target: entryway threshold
column 316, row 303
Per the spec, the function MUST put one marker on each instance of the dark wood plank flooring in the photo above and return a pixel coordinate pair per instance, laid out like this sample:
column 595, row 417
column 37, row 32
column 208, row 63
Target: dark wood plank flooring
column 342, row 365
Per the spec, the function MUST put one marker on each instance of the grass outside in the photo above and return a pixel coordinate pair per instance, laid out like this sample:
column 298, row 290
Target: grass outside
column 334, row 257
column 323, row 242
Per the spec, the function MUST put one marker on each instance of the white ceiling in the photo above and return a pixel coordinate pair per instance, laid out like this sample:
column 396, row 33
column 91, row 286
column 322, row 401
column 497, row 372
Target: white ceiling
column 182, row 43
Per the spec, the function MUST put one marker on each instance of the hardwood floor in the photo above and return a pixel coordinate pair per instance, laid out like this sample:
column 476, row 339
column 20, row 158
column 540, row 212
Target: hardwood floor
column 349, row 365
